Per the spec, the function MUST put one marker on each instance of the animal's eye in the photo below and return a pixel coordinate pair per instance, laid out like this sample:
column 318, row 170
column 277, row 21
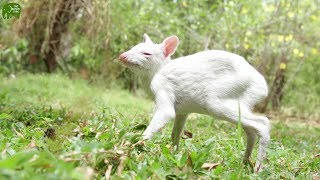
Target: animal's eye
column 146, row 54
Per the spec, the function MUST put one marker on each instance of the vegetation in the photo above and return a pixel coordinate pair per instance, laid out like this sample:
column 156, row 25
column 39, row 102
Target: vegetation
column 67, row 108
column 73, row 130
column 278, row 37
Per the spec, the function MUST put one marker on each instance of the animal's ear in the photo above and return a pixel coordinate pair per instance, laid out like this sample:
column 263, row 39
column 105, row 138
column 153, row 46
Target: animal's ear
column 170, row 45
column 146, row 38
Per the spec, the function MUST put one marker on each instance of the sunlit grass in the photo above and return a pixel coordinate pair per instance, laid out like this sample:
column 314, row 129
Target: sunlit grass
column 59, row 92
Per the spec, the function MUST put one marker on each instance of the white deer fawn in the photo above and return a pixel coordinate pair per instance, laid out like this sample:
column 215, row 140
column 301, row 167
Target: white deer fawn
column 212, row 82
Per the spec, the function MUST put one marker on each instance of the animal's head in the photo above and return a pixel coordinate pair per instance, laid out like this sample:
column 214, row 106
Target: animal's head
column 148, row 55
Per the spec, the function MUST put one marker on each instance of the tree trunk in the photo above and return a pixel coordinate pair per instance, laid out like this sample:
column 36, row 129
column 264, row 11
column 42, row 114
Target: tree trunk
column 276, row 90
column 64, row 12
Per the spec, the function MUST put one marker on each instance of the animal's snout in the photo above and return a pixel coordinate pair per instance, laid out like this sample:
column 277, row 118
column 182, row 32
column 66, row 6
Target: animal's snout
column 123, row 57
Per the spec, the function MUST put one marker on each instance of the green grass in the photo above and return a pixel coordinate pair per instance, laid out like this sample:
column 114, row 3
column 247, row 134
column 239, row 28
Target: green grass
column 56, row 128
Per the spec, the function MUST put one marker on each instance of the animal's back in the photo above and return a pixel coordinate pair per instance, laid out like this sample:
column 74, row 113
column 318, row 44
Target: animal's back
column 210, row 75
column 215, row 60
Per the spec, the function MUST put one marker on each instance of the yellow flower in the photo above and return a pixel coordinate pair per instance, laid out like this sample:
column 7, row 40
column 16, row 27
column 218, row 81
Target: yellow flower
column 290, row 14
column 314, row 51
column 301, row 54
column 289, row 37
column 248, row 33
column 282, row 66
column 296, row 52
column 270, row 8
column 280, row 38
column 244, row 10
column 231, row 3
column 227, row 45
column 313, row 17
column 184, row 3
column 246, row 46
column 287, row 5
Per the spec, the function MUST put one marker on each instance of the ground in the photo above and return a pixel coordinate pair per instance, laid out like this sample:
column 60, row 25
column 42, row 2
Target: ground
column 56, row 128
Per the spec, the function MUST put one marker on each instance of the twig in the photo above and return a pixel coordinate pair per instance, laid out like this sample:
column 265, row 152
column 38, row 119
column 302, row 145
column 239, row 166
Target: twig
column 120, row 167
column 108, row 172
column 19, row 134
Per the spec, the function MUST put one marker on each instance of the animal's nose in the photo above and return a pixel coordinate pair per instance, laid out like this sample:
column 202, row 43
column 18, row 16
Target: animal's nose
column 123, row 57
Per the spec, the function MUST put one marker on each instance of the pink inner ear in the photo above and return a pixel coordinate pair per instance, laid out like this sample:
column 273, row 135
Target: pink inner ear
column 170, row 45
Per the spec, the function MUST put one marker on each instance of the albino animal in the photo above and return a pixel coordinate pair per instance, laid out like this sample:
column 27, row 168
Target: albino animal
column 210, row 82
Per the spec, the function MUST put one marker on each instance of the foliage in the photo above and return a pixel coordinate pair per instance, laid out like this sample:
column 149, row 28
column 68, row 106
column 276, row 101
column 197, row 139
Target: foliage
column 272, row 35
column 92, row 130
column 12, row 59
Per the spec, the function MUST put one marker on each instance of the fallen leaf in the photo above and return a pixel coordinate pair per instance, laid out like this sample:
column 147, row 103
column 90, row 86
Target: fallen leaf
column 127, row 143
column 140, row 142
column 32, row 145
column 315, row 176
column 84, row 123
column 120, row 152
column 187, row 134
column 209, row 166
column 76, row 130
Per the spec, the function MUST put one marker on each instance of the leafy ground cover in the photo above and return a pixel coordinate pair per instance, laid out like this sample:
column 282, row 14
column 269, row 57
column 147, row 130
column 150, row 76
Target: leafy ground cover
column 53, row 127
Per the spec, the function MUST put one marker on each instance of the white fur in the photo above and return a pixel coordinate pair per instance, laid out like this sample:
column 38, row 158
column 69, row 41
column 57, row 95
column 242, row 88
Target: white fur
column 209, row 82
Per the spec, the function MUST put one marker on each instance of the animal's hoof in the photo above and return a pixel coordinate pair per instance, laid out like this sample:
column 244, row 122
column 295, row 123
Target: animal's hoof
column 248, row 162
column 146, row 135
column 258, row 167
column 140, row 143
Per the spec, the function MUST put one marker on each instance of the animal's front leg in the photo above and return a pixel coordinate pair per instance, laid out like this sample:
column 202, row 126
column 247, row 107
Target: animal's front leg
column 160, row 118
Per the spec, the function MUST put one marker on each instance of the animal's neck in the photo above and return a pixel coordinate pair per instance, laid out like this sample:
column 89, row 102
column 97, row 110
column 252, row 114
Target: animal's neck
column 148, row 74
column 158, row 66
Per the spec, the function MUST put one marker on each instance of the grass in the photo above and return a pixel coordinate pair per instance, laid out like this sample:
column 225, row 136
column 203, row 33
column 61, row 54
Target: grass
column 56, row 128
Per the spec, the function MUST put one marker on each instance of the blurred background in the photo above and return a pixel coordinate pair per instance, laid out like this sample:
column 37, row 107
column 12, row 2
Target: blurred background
column 70, row 110
column 82, row 39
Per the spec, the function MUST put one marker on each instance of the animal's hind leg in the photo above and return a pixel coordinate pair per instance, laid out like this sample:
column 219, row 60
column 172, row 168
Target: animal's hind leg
column 261, row 127
column 177, row 128
column 261, row 124
column 264, row 133
column 258, row 125
column 251, row 139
